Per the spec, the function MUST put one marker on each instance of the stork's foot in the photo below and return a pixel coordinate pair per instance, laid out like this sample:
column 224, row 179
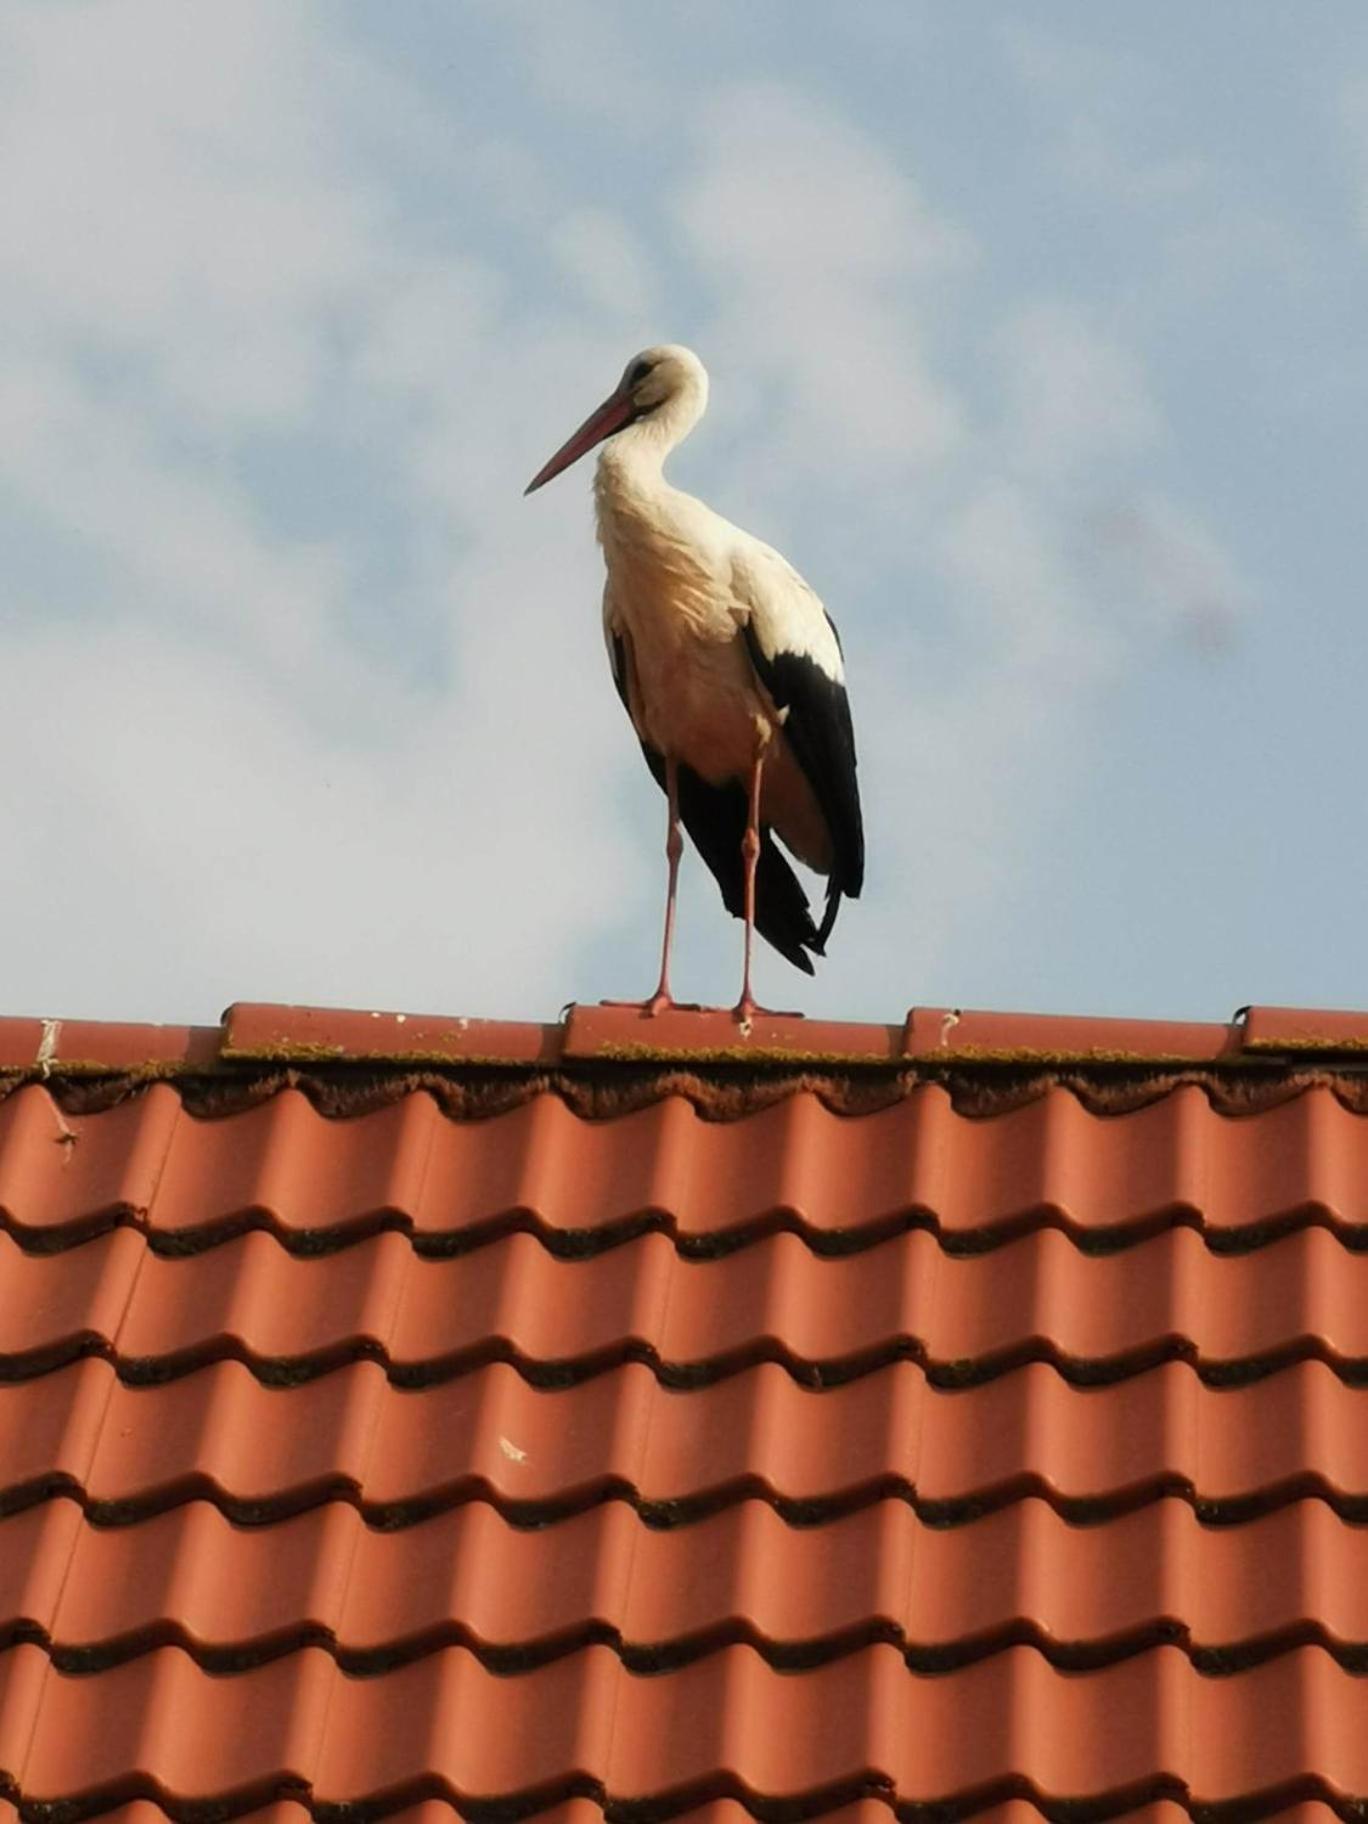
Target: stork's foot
column 662, row 1001
column 748, row 1007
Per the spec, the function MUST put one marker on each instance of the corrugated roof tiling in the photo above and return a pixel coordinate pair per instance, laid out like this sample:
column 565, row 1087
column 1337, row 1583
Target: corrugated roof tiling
column 728, row 1456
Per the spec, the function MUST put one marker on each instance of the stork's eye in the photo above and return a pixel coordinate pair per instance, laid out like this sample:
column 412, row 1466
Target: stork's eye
column 640, row 369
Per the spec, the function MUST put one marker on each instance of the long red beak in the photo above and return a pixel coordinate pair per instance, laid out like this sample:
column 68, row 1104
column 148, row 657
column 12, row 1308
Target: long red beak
column 615, row 411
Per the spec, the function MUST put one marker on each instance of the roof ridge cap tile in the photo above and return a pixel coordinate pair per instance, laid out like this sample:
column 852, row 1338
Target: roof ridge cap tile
column 257, row 1033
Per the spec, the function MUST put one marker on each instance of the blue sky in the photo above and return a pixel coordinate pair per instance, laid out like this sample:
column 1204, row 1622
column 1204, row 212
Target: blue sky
column 1037, row 341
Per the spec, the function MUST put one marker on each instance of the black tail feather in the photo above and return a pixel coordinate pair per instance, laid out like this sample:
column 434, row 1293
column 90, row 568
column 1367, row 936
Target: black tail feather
column 833, row 906
column 782, row 915
column 715, row 817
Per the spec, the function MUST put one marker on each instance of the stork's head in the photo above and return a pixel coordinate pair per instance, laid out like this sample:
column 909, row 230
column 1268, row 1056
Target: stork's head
column 664, row 390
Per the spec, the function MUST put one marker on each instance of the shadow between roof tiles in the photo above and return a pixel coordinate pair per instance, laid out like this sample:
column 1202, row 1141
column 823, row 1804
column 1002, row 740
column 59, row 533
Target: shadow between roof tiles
column 588, row 1244
column 669, row 1512
column 1309, row 1799
column 281, row 1372
column 652, row 1658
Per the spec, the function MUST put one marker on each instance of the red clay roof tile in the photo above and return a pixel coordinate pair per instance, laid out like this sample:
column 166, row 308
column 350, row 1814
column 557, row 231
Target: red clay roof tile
column 1144, row 1728
column 843, row 1182
column 717, row 1459
column 964, row 1317
column 947, row 1031
column 263, row 1451
column 664, row 1596
column 1293, row 1029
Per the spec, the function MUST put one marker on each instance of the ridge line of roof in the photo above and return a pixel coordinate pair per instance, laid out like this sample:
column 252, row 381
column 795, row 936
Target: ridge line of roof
column 267, row 1033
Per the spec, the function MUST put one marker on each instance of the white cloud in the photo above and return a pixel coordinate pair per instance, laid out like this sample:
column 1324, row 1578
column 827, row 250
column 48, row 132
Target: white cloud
column 175, row 545
column 1021, row 605
column 423, row 333
column 822, row 249
column 181, row 844
column 1092, row 102
column 169, row 195
column 1072, row 396
column 1104, row 122
column 602, row 258
column 586, row 59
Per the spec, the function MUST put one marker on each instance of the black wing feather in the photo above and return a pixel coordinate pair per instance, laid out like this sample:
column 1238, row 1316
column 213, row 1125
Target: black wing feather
column 820, row 732
column 715, row 817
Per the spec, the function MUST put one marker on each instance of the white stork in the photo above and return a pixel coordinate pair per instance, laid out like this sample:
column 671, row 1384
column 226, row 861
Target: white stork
column 730, row 670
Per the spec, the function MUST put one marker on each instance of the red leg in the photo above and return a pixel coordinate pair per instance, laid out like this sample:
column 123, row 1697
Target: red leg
column 750, row 855
column 674, row 848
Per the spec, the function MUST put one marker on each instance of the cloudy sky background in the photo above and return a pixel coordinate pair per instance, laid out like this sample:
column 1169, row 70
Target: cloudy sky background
column 1038, row 341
